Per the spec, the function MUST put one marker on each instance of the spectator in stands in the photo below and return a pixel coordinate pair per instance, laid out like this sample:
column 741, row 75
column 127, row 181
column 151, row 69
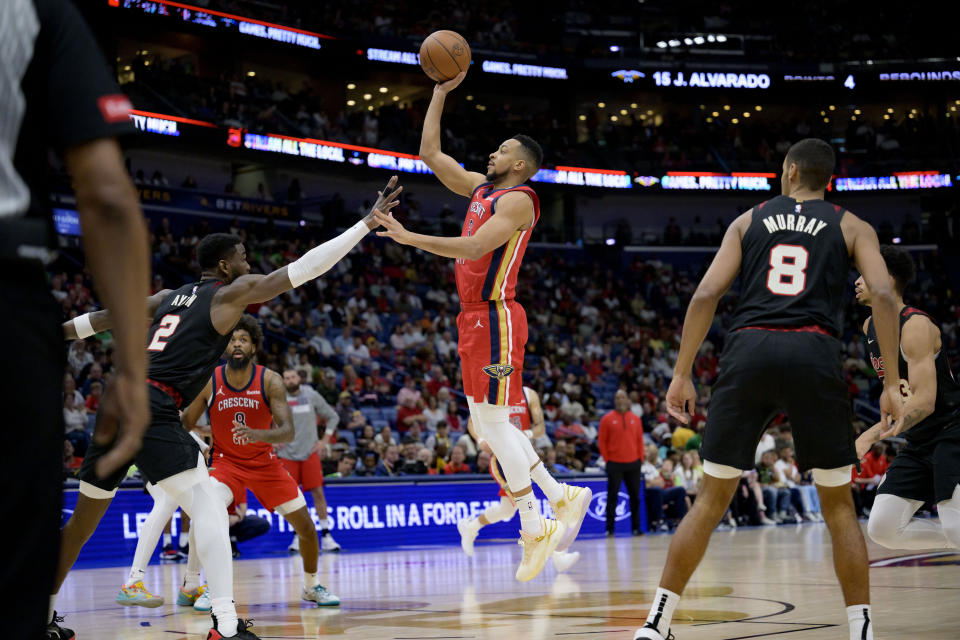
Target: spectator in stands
column 433, row 413
column 409, row 413
column 415, row 433
column 327, row 387
column 344, row 408
column 483, row 462
column 457, row 462
column 70, row 388
column 92, row 402
column 776, row 496
column 681, row 434
column 75, row 423
column 370, row 466
column 357, row 353
column 658, row 496
column 688, row 476
column 388, row 463
column 441, row 436
column 385, row 437
column 366, row 437
column 466, row 441
column 621, row 444
column 71, row 462
column 351, row 382
column 346, row 466
column 790, row 476
column 872, row 470
column 446, row 347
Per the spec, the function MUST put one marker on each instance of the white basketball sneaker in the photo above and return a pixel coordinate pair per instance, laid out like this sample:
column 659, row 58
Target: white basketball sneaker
column 570, row 510
column 649, row 632
column 468, row 534
column 328, row 544
column 538, row 549
column 563, row 560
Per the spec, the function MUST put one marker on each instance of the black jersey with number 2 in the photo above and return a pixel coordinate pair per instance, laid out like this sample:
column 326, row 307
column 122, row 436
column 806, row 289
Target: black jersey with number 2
column 795, row 266
column 946, row 411
column 183, row 345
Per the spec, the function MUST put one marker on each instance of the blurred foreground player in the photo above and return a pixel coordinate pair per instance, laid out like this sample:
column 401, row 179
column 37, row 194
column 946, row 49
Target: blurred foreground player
column 301, row 457
column 528, row 418
column 56, row 91
column 782, row 353
column 927, row 469
column 244, row 399
column 492, row 324
column 191, row 328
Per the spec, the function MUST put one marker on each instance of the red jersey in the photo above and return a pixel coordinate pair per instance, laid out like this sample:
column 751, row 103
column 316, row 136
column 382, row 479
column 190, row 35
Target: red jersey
column 494, row 276
column 247, row 406
column 520, row 414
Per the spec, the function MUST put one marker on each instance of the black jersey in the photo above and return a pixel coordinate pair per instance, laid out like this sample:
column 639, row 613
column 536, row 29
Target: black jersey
column 947, row 409
column 184, row 347
column 795, row 266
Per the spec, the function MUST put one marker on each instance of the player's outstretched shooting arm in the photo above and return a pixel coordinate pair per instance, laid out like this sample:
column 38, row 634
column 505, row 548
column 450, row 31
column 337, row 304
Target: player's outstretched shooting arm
column 450, row 173
column 682, row 396
column 514, row 211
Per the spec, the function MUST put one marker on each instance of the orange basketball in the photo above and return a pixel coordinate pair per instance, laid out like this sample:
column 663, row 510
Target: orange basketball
column 444, row 54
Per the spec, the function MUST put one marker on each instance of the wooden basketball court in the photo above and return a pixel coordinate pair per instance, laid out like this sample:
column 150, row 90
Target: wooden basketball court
column 754, row 583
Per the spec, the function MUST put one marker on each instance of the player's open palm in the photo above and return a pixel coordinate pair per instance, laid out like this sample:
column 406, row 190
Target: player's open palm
column 391, row 228
column 387, row 199
column 681, row 398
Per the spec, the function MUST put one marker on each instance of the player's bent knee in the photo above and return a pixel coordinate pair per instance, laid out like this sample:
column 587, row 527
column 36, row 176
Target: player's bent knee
column 96, row 493
column 721, row 471
column 290, row 506
column 221, row 491
column 179, row 483
column 833, row 477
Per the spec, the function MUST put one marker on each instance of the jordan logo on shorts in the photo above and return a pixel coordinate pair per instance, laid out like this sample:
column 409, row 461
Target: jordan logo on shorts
column 479, row 324
column 498, row 371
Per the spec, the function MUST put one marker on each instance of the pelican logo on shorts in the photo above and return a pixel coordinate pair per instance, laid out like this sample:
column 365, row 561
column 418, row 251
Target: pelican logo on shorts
column 498, row 371
column 598, row 506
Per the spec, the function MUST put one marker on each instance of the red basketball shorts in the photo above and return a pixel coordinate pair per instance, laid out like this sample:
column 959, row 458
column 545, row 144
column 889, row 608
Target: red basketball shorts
column 269, row 481
column 493, row 336
column 306, row 473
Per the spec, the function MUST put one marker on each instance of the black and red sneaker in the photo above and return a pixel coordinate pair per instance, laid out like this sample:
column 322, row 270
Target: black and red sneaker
column 56, row 632
column 242, row 633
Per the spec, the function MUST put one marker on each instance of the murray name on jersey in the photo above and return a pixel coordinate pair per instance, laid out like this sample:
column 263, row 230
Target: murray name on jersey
column 791, row 222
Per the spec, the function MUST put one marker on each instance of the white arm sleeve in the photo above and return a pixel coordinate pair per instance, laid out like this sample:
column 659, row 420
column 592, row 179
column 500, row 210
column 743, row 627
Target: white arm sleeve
column 318, row 260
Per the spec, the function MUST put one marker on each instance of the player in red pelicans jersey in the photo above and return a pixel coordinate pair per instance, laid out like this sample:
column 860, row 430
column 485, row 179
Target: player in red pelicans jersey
column 244, row 400
column 492, row 325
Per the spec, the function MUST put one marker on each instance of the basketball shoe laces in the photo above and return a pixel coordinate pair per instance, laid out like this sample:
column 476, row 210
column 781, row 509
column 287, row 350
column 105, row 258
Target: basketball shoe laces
column 669, row 636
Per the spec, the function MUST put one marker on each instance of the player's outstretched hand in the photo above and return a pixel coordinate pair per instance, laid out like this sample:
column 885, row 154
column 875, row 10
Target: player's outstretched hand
column 392, row 228
column 123, row 419
column 867, row 439
column 681, row 398
column 451, row 84
column 891, row 411
column 386, row 200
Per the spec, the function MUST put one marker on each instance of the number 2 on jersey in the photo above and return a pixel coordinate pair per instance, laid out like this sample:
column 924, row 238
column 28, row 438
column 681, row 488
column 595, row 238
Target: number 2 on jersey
column 787, row 275
column 168, row 324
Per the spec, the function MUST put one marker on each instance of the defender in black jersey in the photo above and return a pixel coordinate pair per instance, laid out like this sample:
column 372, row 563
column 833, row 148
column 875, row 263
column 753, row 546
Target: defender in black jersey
column 927, row 469
column 190, row 330
column 793, row 256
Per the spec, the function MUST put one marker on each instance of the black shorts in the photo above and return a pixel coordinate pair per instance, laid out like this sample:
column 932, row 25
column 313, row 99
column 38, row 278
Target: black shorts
column 929, row 472
column 764, row 372
column 167, row 447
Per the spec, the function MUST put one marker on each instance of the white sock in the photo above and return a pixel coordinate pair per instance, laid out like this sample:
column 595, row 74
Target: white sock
column 473, row 524
column 136, row 575
column 53, row 607
column 184, row 538
column 310, row 580
column 325, row 524
column 191, row 581
column 860, row 617
column 547, row 483
column 661, row 613
column 530, row 519
column 167, row 540
column 226, row 612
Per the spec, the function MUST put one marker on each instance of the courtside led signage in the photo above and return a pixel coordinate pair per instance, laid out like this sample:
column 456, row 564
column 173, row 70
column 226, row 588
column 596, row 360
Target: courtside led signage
column 218, row 19
column 710, row 79
column 905, row 181
column 920, row 76
column 703, row 181
column 391, row 55
column 525, row 70
column 583, row 177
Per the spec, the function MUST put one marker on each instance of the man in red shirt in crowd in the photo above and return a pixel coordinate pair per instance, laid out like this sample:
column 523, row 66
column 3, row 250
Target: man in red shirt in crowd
column 621, row 444
column 457, row 462
column 872, row 469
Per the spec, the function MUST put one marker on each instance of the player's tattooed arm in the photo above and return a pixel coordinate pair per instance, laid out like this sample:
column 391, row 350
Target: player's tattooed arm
column 282, row 415
column 100, row 320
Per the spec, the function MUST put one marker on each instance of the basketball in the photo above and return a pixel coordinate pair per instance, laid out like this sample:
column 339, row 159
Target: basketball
column 444, row 54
